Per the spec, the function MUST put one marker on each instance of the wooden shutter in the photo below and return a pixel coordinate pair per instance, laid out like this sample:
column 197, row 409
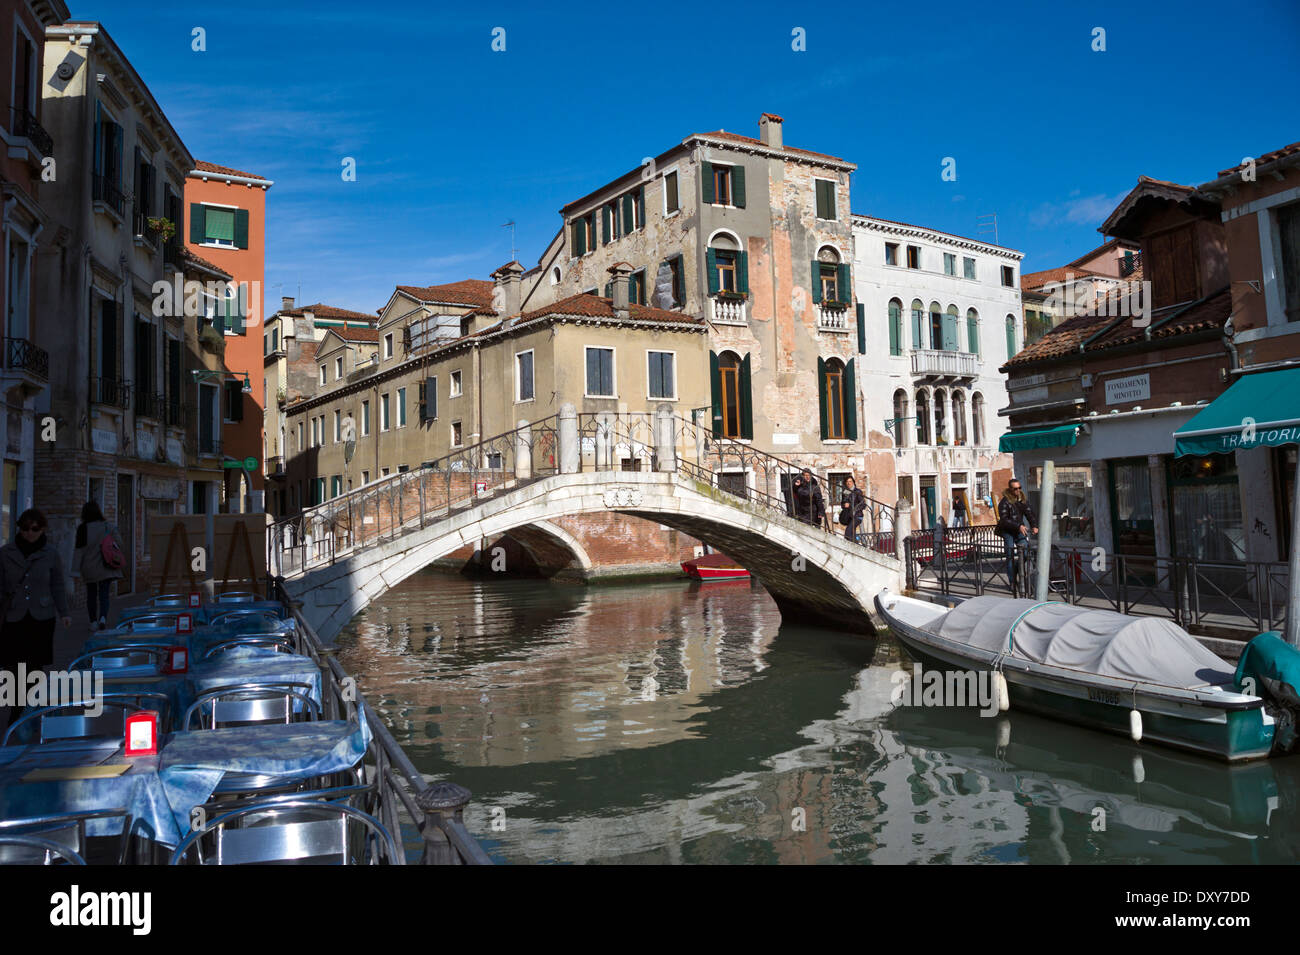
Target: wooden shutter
column 842, row 280
column 604, row 225
column 715, row 387
column 972, row 335
column 917, row 315
column 431, row 397
column 241, row 228
column 895, row 329
column 742, row 272
column 862, row 331
column 821, row 395
column 746, row 401
column 738, row 186
column 816, row 281
column 706, row 180
column 711, row 261
column 579, row 237
column 949, row 332
column 198, row 223
column 1011, row 337
column 1185, row 266
column 850, row 403
column 609, row 289
column 679, row 281
column 628, row 202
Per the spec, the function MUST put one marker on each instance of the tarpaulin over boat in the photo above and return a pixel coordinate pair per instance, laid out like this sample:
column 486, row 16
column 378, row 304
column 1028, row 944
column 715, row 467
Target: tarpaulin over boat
column 1142, row 649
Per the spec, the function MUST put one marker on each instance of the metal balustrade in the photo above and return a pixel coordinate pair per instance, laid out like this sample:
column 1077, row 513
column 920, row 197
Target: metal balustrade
column 22, row 355
column 25, row 126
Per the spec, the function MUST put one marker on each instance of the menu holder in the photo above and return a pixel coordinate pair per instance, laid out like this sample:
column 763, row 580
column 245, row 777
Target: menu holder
column 61, row 773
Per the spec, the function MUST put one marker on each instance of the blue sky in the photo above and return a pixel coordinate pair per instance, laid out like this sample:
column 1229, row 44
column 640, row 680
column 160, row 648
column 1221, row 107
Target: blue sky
column 452, row 139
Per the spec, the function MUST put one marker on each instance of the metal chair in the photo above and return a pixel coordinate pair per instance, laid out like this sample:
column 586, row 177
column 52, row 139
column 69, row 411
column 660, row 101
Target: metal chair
column 149, row 622
column 267, row 641
column 230, row 617
column 117, row 657
column 169, row 600
column 289, row 830
column 236, row 597
column 252, row 704
column 228, row 798
column 37, row 840
column 55, row 724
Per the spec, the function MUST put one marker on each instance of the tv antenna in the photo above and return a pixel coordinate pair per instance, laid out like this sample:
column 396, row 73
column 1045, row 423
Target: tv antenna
column 987, row 223
column 514, row 253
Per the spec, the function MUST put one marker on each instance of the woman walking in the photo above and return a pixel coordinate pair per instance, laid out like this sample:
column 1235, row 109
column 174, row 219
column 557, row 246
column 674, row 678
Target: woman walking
column 89, row 563
column 34, row 589
column 853, row 504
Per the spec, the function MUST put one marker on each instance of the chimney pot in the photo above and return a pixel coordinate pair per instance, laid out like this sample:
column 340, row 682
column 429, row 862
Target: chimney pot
column 622, row 277
column 286, row 303
column 769, row 130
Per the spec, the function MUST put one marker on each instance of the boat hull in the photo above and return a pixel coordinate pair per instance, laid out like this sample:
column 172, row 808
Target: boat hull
column 1173, row 719
column 711, row 568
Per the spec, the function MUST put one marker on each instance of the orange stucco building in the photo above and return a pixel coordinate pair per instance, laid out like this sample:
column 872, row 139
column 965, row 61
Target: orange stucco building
column 225, row 222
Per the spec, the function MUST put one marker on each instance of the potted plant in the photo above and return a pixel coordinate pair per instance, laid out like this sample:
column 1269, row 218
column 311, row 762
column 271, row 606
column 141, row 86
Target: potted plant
column 211, row 339
column 162, row 227
column 280, row 397
column 732, row 296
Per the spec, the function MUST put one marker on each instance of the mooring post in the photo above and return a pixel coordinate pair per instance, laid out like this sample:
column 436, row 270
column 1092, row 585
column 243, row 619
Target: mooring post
column 1046, row 505
column 441, row 803
column 902, row 528
column 523, row 451
column 665, row 445
column 570, row 450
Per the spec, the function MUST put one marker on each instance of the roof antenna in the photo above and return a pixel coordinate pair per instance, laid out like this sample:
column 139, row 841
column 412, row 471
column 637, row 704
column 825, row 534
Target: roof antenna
column 514, row 253
column 982, row 228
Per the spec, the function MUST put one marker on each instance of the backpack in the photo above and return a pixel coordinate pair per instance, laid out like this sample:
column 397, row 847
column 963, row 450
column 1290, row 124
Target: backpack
column 113, row 557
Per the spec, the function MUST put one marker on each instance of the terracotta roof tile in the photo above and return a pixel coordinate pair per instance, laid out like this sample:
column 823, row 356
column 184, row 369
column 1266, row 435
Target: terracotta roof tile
column 749, row 140
column 1060, row 341
column 1266, row 158
column 1037, row 280
column 204, row 263
column 320, row 310
column 355, row 333
column 201, row 166
column 592, row 306
column 477, row 292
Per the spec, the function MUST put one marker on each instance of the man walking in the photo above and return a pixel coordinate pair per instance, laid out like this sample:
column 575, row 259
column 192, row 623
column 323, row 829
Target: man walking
column 808, row 504
column 1015, row 520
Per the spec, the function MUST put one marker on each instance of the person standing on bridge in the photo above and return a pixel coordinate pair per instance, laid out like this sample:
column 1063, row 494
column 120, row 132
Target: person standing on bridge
column 853, row 504
column 809, row 506
column 1015, row 520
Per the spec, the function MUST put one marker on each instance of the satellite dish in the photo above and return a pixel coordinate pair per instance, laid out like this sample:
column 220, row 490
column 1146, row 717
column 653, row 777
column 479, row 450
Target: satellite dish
column 349, row 449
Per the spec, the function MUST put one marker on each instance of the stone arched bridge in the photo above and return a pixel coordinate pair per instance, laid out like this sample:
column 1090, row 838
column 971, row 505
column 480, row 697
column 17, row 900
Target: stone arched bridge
column 340, row 556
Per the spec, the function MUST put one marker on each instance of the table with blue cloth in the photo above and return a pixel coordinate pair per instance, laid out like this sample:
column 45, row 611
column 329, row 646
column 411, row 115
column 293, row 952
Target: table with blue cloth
column 250, row 665
column 159, row 792
column 204, row 612
column 198, row 642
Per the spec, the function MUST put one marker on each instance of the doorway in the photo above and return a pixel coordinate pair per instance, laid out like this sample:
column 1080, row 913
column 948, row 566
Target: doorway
column 929, row 502
column 126, row 528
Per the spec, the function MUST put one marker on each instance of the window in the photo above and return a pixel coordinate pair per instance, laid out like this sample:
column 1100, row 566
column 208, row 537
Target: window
column 663, row 381
column 388, row 345
column 610, row 222
column 401, row 407
column 828, row 279
column 968, row 267
column 918, row 323
column 941, row 435
column 338, row 427
column 455, row 435
column 936, row 326
column 949, row 263
column 671, row 204
column 1011, row 335
column 455, row 385
column 106, row 181
column 583, row 234
column 322, row 374
column 922, row 417
column 913, row 256
column 365, row 477
column 524, row 376
column 223, row 226
column 678, row 278
column 383, row 472
column 336, row 485
column 836, row 406
column 631, row 209
column 600, row 372
column 900, row 419
column 977, row 423
column 972, row 331
column 730, row 414
column 636, row 288
column 338, row 368
column 365, row 417
column 298, row 433
column 895, row 327
column 1008, row 276
column 723, row 185
column 726, row 269
column 209, row 429
column 429, row 399
column 234, row 404
column 26, row 81
column 403, row 468
column 825, row 198
column 959, row 435
column 891, row 253
column 384, row 421
column 1170, row 258
column 146, row 185
column 1288, row 230
column 982, row 485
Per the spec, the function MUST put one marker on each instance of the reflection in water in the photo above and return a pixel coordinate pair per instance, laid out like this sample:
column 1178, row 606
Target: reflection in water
column 674, row 722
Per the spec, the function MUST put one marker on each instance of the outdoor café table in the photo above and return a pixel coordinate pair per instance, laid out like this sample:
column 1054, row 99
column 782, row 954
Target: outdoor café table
column 204, row 612
column 198, row 642
column 55, row 778
column 250, row 665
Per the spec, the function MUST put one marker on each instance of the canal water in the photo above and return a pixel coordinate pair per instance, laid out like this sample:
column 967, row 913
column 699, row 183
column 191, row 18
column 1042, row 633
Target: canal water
column 676, row 722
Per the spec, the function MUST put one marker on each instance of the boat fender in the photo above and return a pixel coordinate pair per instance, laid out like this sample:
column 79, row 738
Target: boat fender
column 1000, row 689
column 1135, row 725
column 1139, row 770
column 1004, row 734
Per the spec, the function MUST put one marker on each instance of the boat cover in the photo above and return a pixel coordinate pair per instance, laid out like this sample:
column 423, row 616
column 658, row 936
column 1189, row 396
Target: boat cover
column 1142, row 649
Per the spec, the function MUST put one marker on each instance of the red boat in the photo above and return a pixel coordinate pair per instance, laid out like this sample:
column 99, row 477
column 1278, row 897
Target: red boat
column 714, row 567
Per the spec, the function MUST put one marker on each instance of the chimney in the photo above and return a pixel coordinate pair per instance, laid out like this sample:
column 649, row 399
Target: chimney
column 621, row 273
column 769, row 130
column 507, row 289
column 286, row 303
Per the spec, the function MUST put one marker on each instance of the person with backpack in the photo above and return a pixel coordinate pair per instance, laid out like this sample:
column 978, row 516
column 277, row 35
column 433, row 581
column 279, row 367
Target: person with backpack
column 98, row 560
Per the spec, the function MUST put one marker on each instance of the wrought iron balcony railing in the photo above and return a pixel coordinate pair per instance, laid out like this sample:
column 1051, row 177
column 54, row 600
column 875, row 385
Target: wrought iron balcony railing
column 149, row 405
column 111, row 391
column 22, row 355
column 108, row 192
column 177, row 414
column 25, row 126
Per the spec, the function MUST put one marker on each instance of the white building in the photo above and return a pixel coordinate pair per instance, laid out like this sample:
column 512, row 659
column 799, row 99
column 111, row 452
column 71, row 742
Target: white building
column 941, row 313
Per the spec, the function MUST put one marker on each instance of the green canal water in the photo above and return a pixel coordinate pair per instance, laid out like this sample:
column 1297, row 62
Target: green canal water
column 675, row 722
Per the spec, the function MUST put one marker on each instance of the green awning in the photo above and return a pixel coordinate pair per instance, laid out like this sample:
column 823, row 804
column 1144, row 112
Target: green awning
column 1258, row 411
column 1063, row 436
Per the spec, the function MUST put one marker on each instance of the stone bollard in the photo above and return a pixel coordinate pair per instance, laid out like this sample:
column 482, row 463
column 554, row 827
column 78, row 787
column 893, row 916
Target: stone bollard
column 523, row 451
column 441, row 802
column 665, row 443
column 902, row 528
column 570, row 449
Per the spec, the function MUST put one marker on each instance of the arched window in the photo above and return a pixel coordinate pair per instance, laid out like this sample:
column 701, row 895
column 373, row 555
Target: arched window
column 900, row 416
column 727, row 267
column 1011, row 335
column 555, row 275
column 936, row 325
column 922, row 417
column 729, row 369
column 895, row 327
column 958, row 417
column 941, row 435
column 972, row 331
column 977, row 419
column 836, row 403
column 918, row 323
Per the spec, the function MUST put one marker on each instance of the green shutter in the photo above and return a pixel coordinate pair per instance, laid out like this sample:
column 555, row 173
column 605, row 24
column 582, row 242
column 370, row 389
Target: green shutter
column 711, row 258
column 1011, row 337
column 609, row 290
column 198, row 225
column 821, row 394
column 605, row 224
column 742, row 272
column 738, row 186
column 972, row 335
column 628, row 202
column 916, row 328
column 679, row 281
column 895, row 329
column 843, row 279
column 706, row 180
column 850, row 403
column 862, row 331
column 579, row 238
column 949, row 332
column 746, row 402
column 816, row 281
column 241, row 228
column 715, row 384
column 640, row 205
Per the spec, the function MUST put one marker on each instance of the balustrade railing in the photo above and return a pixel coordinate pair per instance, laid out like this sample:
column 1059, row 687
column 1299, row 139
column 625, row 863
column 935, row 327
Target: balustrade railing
column 22, row 355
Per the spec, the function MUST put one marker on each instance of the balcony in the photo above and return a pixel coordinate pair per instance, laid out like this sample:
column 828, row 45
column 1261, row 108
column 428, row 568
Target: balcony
column 24, row 125
column 832, row 317
column 177, row 414
column 23, row 357
column 209, row 446
column 144, row 236
column 149, row 405
column 275, row 466
column 945, row 364
column 111, row 392
column 107, row 192
column 728, row 310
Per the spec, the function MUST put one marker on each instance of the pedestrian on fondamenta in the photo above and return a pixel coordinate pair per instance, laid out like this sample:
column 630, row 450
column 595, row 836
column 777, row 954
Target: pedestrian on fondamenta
column 809, row 506
column 1015, row 521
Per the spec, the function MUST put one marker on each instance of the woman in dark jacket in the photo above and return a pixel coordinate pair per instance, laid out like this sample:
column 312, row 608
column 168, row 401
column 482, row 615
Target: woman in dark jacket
column 853, row 504
column 34, row 590
column 88, row 562
column 1015, row 519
